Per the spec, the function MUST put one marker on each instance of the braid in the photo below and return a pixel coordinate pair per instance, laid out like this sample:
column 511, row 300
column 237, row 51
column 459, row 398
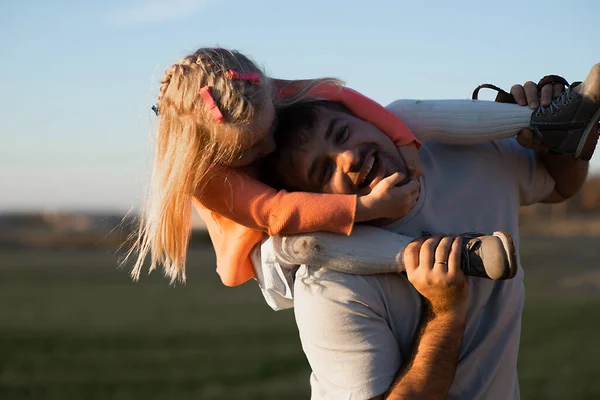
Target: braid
column 238, row 100
column 164, row 83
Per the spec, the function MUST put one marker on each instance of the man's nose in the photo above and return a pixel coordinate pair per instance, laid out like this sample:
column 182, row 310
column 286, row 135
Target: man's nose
column 349, row 160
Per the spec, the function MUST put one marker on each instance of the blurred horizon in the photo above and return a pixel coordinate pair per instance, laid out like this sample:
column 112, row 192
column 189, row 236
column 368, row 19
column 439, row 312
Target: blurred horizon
column 79, row 79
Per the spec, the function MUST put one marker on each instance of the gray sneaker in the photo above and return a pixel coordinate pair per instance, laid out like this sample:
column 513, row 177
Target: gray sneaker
column 571, row 123
column 489, row 256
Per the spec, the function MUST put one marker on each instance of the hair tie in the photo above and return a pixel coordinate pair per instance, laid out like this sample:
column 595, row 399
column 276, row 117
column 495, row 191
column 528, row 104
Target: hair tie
column 233, row 74
column 211, row 104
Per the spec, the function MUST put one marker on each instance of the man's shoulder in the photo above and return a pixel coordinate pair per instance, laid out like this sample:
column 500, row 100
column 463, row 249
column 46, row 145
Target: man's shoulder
column 473, row 150
column 342, row 287
column 486, row 156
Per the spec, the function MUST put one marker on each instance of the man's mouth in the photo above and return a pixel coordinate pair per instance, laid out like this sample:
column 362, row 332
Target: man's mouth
column 374, row 171
column 369, row 172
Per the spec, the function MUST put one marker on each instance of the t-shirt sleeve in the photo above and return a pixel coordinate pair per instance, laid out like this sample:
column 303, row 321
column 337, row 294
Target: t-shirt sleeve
column 249, row 202
column 345, row 334
column 533, row 179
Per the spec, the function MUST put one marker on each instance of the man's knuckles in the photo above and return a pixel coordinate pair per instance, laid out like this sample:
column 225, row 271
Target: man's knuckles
column 411, row 254
column 428, row 248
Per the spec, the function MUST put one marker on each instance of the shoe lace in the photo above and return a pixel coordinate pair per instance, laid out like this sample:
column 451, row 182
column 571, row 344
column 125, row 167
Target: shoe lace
column 466, row 263
column 467, row 247
column 556, row 104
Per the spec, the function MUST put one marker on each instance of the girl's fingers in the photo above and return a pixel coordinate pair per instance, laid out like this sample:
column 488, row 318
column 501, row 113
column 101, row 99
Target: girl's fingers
column 411, row 187
column 393, row 179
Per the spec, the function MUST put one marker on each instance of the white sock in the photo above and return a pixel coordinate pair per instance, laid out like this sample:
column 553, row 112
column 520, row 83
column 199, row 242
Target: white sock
column 368, row 250
column 461, row 121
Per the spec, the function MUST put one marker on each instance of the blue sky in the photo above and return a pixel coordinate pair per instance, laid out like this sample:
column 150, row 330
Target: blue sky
column 78, row 77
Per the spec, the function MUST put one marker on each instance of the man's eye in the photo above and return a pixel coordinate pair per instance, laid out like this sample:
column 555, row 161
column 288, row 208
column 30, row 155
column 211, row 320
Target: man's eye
column 342, row 135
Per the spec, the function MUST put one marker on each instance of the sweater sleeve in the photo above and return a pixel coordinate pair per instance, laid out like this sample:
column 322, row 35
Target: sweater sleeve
column 236, row 195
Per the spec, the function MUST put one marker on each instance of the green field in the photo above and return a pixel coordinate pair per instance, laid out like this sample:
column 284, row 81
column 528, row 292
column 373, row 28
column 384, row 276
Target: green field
column 73, row 326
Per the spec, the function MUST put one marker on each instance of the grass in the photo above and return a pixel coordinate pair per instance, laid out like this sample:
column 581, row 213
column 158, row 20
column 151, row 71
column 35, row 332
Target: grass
column 73, row 326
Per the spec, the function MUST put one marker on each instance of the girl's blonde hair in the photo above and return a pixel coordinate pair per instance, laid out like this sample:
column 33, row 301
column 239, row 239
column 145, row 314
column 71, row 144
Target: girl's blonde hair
column 189, row 143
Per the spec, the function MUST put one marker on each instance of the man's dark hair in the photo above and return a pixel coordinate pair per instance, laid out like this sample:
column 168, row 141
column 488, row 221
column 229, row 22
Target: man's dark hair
column 294, row 125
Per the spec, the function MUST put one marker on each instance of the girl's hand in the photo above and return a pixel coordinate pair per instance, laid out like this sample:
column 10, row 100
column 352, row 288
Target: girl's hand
column 388, row 201
column 412, row 161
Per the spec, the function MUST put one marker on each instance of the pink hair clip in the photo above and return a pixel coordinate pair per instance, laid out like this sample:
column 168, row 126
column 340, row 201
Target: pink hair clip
column 233, row 74
column 211, row 104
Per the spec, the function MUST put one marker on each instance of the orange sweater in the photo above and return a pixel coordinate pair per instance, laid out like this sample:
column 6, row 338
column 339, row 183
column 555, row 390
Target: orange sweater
column 239, row 210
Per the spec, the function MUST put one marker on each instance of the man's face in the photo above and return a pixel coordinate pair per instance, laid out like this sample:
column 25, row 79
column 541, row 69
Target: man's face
column 342, row 154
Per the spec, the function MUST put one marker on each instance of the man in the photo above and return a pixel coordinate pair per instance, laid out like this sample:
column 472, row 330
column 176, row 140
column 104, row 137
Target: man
column 435, row 334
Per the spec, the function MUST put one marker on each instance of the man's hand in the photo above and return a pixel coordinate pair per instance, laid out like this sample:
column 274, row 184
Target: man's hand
column 388, row 201
column 568, row 174
column 433, row 267
column 527, row 95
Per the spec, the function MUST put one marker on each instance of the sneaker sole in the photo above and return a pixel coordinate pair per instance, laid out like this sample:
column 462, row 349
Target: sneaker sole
column 589, row 139
column 509, row 247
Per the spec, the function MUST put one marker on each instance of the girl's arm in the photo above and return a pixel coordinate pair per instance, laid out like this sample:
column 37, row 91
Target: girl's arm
column 239, row 197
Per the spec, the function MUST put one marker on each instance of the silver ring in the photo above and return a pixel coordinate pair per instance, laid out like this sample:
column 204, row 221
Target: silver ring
column 441, row 262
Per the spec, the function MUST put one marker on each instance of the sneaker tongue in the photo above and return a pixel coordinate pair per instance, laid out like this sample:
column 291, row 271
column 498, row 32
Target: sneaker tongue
column 474, row 244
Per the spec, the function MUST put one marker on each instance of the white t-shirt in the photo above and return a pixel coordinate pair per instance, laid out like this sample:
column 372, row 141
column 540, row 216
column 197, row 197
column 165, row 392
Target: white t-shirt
column 357, row 330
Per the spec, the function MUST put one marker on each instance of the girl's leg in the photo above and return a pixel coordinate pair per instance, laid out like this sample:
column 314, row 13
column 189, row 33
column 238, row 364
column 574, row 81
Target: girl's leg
column 370, row 250
column 461, row 121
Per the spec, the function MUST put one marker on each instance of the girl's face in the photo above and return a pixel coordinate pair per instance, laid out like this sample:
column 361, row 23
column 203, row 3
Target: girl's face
column 260, row 141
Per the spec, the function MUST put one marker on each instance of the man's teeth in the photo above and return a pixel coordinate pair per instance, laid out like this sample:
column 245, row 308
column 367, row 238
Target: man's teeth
column 370, row 163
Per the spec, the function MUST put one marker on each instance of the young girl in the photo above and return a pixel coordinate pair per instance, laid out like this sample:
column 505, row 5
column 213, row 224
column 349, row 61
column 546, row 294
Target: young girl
column 216, row 113
column 216, row 110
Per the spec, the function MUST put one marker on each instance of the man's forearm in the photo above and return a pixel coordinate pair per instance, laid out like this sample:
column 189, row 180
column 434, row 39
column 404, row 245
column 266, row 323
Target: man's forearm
column 429, row 372
column 568, row 174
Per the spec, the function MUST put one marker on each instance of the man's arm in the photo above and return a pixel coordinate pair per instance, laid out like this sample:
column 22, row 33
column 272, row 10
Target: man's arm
column 568, row 174
column 433, row 267
column 430, row 370
column 354, row 348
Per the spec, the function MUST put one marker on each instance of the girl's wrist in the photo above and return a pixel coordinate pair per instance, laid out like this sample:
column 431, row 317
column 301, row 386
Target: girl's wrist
column 364, row 209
